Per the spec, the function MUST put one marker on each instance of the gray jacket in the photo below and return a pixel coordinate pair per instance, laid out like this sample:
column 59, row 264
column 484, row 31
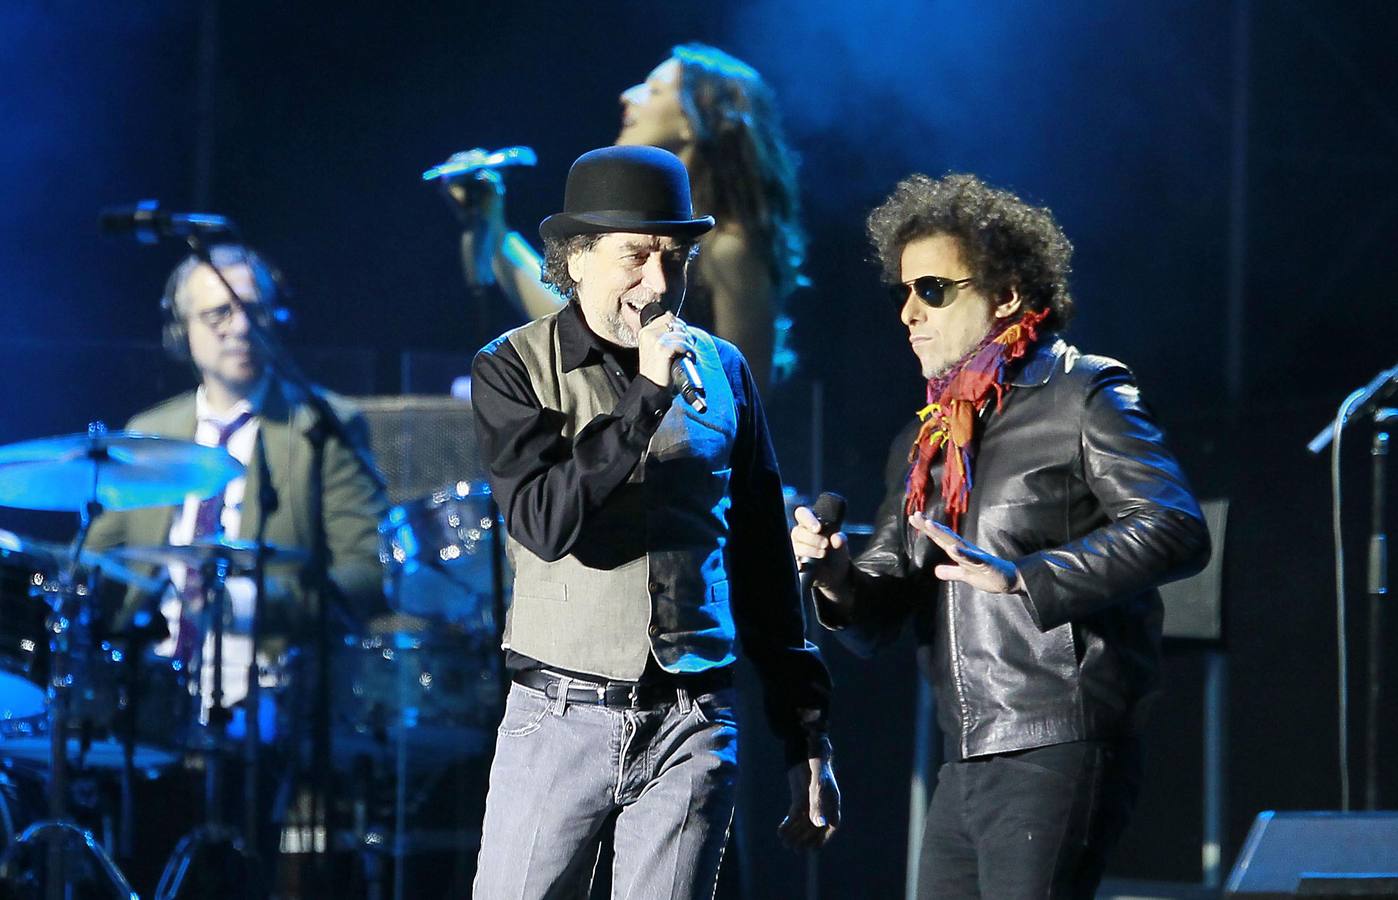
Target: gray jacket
column 352, row 505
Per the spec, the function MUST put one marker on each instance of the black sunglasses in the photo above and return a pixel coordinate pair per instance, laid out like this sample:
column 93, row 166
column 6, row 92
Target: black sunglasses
column 930, row 289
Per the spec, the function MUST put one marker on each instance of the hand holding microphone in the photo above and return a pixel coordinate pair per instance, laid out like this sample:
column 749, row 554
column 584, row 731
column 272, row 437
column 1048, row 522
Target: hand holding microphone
column 821, row 549
column 472, row 180
column 478, row 200
column 478, row 158
column 477, row 197
column 667, row 355
column 473, row 183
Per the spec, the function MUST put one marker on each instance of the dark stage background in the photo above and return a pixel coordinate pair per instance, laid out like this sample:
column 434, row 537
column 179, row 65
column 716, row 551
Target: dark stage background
column 1224, row 169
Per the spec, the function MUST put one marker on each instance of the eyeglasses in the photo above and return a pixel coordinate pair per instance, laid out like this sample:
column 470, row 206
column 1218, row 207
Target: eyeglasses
column 930, row 289
column 218, row 316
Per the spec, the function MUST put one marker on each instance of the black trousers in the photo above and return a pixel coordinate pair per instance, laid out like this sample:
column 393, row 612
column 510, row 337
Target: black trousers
column 1031, row 824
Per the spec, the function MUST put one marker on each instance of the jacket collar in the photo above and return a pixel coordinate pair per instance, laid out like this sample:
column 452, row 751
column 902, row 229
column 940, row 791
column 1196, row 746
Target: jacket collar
column 179, row 416
column 1040, row 365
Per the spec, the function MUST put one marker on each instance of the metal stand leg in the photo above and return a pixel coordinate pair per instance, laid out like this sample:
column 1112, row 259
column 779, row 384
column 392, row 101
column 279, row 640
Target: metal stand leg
column 54, row 835
column 1378, row 593
column 924, row 775
column 1215, row 747
column 209, row 849
column 221, row 848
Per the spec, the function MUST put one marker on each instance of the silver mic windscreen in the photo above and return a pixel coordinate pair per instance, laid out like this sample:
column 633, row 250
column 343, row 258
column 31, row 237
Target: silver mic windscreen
column 476, row 158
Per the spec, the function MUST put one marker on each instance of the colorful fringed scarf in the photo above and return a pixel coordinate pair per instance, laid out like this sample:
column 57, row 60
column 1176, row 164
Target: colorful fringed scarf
column 954, row 400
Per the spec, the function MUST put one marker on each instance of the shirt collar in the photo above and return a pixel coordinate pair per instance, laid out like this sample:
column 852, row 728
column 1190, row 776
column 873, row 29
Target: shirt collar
column 577, row 345
column 250, row 404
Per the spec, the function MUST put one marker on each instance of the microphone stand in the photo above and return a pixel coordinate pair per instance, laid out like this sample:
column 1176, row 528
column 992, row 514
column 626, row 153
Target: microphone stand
column 1378, row 592
column 1379, row 389
column 267, row 503
column 282, row 364
column 315, row 574
column 1360, row 401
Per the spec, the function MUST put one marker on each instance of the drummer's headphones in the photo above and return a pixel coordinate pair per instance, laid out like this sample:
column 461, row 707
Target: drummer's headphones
column 271, row 291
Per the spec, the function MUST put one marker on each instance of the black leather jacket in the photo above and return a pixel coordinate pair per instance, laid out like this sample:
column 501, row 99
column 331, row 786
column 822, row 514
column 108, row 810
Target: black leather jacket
column 1072, row 481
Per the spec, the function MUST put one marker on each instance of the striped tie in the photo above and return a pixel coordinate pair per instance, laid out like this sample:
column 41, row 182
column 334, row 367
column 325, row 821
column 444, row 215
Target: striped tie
column 206, row 525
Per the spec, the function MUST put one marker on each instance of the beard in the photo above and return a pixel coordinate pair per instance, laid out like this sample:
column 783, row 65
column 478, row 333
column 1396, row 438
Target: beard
column 958, row 343
column 945, row 368
column 946, row 362
column 622, row 334
column 939, row 367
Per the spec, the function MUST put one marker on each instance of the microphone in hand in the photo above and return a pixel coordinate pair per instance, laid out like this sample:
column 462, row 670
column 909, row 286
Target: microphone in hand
column 829, row 513
column 684, row 374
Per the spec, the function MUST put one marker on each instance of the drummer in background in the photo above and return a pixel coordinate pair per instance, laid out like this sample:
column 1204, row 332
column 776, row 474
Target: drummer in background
column 238, row 403
column 717, row 115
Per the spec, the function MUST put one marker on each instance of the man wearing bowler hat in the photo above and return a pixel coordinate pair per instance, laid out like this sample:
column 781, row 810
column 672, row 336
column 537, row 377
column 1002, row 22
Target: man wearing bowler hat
column 646, row 532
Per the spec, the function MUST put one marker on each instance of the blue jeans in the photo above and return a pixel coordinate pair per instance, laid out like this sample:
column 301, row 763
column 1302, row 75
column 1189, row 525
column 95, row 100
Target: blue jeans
column 562, row 770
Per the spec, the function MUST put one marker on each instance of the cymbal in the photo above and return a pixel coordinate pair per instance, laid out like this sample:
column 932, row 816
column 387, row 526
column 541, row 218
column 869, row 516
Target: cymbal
column 49, row 557
column 120, row 470
column 241, row 555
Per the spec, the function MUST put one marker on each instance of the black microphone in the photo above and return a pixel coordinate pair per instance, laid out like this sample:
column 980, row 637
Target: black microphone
column 149, row 224
column 683, row 372
column 829, row 510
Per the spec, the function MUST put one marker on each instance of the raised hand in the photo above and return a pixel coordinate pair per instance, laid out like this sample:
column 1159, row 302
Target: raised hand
column 969, row 563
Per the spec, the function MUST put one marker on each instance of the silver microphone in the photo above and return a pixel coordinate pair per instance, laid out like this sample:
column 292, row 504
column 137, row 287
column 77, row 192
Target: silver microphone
column 477, row 158
column 683, row 372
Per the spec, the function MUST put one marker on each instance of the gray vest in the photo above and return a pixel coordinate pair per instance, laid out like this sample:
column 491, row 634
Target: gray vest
column 647, row 574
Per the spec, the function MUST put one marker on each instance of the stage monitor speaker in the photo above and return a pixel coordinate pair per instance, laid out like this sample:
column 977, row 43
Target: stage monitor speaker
column 1318, row 854
column 422, row 444
column 1194, row 606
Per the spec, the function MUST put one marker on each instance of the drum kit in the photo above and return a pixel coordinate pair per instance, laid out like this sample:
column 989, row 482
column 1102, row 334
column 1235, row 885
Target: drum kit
column 83, row 701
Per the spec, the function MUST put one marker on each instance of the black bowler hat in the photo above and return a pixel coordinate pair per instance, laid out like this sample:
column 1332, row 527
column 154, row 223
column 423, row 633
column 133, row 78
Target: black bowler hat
column 644, row 190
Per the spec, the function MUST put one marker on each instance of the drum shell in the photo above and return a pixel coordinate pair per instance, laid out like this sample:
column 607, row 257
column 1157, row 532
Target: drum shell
column 434, row 696
column 23, row 637
column 442, row 555
column 107, row 692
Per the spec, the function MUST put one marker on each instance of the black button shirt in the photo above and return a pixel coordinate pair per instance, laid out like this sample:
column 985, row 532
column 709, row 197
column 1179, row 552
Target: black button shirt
column 549, row 487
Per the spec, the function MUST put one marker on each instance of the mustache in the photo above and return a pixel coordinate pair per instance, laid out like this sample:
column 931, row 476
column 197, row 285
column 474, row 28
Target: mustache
column 640, row 297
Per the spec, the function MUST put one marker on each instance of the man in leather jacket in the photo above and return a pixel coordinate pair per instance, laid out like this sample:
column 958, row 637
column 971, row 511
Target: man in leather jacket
column 1036, row 612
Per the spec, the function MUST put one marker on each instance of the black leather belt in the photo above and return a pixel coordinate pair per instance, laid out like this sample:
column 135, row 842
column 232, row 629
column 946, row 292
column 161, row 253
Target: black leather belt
column 627, row 694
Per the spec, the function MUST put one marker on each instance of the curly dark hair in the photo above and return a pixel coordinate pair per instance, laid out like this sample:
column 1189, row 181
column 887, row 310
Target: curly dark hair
column 742, row 170
column 556, row 253
column 1006, row 242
